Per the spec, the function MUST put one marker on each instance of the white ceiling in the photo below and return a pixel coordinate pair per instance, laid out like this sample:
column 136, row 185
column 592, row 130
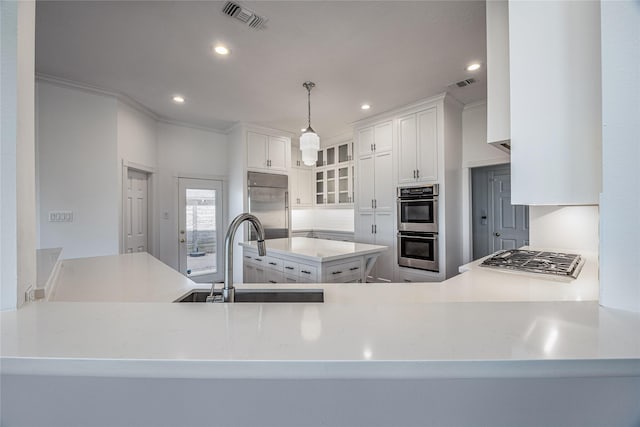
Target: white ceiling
column 387, row 53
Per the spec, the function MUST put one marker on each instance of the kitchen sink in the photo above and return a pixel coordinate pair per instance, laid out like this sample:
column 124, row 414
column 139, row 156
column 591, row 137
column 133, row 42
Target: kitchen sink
column 263, row 295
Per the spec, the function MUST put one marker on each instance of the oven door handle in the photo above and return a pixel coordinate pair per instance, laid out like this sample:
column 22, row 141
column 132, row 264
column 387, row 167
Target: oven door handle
column 408, row 236
column 426, row 199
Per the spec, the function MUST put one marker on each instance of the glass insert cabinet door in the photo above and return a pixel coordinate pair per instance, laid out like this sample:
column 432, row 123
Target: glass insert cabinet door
column 320, row 188
column 200, row 229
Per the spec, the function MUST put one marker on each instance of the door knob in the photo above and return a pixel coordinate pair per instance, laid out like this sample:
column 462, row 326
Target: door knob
column 182, row 240
column 181, row 231
column 496, row 234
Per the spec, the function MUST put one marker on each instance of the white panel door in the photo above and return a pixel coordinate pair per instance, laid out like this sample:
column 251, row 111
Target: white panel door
column 135, row 218
column 366, row 182
column 427, row 146
column 407, row 148
column 257, row 154
column 385, row 236
column 277, row 153
column 385, row 195
column 383, row 136
column 365, row 141
column 200, row 233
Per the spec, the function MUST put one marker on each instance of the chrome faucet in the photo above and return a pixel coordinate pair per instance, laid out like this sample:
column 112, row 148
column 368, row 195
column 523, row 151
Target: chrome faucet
column 228, row 292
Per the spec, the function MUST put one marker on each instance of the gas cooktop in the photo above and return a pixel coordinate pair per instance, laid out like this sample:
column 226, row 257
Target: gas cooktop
column 556, row 263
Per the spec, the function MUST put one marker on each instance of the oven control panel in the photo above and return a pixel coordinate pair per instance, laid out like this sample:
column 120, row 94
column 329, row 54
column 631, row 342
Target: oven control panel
column 423, row 191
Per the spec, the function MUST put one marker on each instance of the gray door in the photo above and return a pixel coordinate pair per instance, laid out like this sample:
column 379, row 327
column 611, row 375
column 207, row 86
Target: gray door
column 492, row 212
column 510, row 222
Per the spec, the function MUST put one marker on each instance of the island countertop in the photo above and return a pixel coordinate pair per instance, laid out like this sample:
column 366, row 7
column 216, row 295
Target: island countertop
column 317, row 250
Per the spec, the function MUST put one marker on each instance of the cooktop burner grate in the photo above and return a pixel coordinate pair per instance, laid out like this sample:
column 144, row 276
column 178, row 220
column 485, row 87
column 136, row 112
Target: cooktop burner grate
column 557, row 263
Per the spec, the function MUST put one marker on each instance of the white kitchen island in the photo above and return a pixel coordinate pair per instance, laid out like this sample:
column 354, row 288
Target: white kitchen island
column 456, row 353
column 308, row 260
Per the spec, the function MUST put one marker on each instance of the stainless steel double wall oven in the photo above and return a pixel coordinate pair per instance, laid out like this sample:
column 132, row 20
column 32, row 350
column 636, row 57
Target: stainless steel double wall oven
column 418, row 227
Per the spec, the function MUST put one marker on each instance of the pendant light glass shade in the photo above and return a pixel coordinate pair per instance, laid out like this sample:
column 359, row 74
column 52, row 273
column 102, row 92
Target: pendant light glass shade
column 309, row 145
column 309, row 140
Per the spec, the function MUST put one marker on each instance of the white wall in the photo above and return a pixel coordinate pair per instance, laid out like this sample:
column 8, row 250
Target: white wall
column 17, row 164
column 183, row 152
column 475, row 153
column 77, row 158
column 564, row 227
column 322, row 219
column 475, row 150
column 137, row 145
column 620, row 200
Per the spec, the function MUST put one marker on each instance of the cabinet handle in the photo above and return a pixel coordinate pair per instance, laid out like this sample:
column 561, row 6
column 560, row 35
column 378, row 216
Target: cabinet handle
column 371, row 203
column 272, row 281
column 247, row 257
column 374, row 147
column 305, row 272
column 418, row 173
column 375, row 203
column 371, row 147
column 354, row 268
column 337, row 272
column 258, row 259
column 273, row 263
column 414, row 174
column 371, row 228
column 375, row 228
column 289, row 268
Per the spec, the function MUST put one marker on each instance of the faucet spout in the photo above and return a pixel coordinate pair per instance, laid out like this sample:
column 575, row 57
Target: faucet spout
column 228, row 292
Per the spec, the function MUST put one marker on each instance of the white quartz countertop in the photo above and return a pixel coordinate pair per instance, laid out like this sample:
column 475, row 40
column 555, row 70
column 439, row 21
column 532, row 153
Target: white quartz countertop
column 458, row 328
column 137, row 277
column 317, row 250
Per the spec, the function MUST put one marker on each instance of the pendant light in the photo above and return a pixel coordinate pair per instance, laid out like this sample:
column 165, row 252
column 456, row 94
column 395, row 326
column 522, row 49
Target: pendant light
column 309, row 140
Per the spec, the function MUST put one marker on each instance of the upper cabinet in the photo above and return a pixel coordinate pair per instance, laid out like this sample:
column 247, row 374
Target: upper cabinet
column 555, row 102
column 334, row 175
column 267, row 153
column 498, row 111
column 375, row 138
column 418, row 147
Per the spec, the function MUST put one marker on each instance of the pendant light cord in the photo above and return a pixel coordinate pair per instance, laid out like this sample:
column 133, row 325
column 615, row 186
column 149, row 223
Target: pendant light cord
column 309, row 104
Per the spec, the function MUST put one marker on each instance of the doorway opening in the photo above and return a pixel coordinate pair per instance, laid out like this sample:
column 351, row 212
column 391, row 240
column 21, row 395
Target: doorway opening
column 200, row 229
column 496, row 223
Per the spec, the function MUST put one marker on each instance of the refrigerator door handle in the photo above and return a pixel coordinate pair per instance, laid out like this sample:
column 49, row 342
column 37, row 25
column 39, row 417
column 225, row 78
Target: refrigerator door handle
column 286, row 210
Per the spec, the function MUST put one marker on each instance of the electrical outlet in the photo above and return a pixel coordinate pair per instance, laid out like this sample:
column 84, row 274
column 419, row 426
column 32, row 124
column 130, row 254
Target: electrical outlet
column 60, row 216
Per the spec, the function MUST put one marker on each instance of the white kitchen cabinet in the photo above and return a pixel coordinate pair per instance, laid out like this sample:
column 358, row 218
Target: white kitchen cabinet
column 378, row 228
column 375, row 138
column 334, row 176
column 498, row 103
column 376, row 184
column 301, row 187
column 267, row 153
column 418, row 147
column 556, row 123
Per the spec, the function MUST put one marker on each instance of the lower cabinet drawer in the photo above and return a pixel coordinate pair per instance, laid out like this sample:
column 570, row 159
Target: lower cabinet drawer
column 342, row 272
column 291, row 268
column 308, row 273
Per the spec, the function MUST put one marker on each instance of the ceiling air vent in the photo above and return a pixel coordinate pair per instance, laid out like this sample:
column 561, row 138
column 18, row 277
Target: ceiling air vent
column 244, row 15
column 465, row 82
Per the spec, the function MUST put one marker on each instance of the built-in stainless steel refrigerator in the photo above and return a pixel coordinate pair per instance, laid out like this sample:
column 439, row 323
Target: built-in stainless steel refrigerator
column 269, row 201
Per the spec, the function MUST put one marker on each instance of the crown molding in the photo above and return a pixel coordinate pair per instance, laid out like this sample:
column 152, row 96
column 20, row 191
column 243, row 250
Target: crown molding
column 400, row 110
column 121, row 97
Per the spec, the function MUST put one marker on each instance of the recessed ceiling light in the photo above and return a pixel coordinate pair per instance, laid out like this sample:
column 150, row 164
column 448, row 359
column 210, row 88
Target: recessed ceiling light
column 365, row 106
column 473, row 67
column 221, row 50
column 178, row 99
